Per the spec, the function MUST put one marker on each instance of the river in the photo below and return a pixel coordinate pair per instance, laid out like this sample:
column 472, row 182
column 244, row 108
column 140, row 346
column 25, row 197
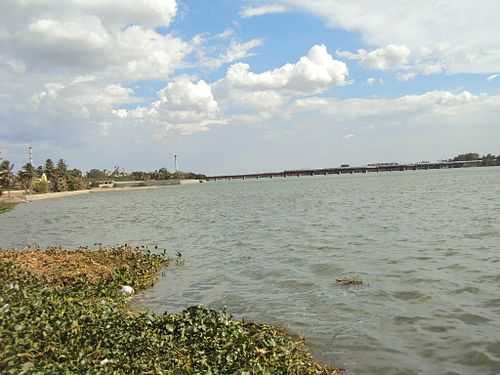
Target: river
column 426, row 244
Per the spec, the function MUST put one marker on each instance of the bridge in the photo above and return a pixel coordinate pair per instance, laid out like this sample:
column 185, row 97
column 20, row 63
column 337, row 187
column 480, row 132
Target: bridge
column 390, row 167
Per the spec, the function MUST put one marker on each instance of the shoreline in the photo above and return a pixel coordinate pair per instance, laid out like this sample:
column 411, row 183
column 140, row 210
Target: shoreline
column 88, row 325
column 27, row 198
column 18, row 196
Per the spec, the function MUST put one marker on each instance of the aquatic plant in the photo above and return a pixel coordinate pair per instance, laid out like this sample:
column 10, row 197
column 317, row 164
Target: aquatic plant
column 346, row 281
column 62, row 312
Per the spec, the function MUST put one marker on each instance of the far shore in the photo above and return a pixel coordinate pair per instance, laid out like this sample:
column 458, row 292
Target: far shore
column 40, row 197
column 19, row 196
column 23, row 198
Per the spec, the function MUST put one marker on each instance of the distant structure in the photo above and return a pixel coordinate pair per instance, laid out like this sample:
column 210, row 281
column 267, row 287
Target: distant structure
column 114, row 171
column 30, row 152
column 175, row 163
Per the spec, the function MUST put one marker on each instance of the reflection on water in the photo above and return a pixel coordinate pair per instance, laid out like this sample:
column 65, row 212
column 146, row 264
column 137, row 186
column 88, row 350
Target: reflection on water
column 426, row 243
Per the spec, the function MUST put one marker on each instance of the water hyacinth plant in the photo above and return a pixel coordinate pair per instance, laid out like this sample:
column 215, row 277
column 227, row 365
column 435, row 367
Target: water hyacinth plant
column 62, row 312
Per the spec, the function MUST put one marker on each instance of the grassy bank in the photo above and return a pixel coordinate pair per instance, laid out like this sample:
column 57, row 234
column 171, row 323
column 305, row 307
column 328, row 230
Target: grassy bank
column 6, row 206
column 62, row 312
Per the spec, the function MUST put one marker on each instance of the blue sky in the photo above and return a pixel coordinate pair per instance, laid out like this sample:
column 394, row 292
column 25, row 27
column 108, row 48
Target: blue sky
column 243, row 86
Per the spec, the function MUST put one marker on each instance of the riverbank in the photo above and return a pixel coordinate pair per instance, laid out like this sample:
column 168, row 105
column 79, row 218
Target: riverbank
column 123, row 186
column 63, row 311
column 63, row 194
column 6, row 206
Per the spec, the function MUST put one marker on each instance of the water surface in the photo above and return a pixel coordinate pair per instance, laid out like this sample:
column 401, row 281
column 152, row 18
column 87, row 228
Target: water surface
column 426, row 242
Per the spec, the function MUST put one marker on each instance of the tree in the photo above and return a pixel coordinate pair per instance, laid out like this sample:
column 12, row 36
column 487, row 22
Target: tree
column 40, row 186
column 164, row 174
column 60, row 176
column 27, row 175
column 490, row 160
column 467, row 157
column 96, row 174
column 49, row 171
column 7, row 176
column 75, row 180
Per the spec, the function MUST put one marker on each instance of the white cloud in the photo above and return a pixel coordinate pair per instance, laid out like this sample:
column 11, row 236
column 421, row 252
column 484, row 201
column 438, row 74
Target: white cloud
column 249, row 12
column 370, row 81
column 406, row 76
column 182, row 104
column 134, row 52
column 460, row 35
column 389, row 57
column 313, row 73
column 403, row 108
column 110, row 39
column 311, row 102
column 271, row 90
column 17, row 66
column 115, row 15
column 491, row 77
column 235, row 51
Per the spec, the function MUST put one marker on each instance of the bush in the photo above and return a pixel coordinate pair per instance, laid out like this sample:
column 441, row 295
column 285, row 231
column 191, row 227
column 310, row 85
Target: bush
column 40, row 187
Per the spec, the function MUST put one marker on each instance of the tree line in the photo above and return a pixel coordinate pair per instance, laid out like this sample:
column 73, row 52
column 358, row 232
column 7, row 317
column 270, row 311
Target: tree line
column 159, row 174
column 45, row 178
column 58, row 177
column 487, row 160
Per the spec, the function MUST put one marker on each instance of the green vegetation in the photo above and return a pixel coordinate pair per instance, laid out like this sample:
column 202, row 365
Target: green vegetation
column 6, row 206
column 62, row 312
column 6, row 175
column 161, row 174
column 487, row 160
column 43, row 179
column 58, row 177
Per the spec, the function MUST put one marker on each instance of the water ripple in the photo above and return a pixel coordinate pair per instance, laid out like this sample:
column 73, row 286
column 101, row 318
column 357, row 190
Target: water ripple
column 425, row 243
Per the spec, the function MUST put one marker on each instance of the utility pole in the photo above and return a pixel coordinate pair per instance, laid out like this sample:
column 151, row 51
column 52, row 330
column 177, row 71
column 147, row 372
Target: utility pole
column 30, row 151
column 175, row 163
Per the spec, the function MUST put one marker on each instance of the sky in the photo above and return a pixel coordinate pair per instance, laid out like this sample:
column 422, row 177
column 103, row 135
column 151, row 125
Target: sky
column 247, row 86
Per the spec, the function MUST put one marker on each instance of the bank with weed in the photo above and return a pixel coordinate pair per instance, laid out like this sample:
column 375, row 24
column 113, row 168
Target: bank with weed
column 63, row 312
column 6, row 206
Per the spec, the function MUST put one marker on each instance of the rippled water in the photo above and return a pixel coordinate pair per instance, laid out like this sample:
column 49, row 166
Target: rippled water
column 427, row 243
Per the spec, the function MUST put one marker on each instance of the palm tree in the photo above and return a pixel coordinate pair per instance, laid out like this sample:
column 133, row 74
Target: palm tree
column 27, row 175
column 6, row 175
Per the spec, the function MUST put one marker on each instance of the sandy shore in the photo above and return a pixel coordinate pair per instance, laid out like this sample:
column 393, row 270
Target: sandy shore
column 41, row 197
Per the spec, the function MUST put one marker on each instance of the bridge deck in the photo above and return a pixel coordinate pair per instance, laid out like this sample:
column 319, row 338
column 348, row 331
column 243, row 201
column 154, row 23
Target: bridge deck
column 350, row 170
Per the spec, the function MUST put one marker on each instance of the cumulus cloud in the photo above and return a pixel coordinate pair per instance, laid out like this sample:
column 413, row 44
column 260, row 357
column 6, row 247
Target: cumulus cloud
column 435, row 31
column 389, row 57
column 313, row 73
column 83, row 44
column 182, row 105
column 270, row 90
column 249, row 12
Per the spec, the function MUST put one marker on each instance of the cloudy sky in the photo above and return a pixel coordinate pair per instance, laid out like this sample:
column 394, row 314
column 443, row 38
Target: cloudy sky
column 241, row 86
